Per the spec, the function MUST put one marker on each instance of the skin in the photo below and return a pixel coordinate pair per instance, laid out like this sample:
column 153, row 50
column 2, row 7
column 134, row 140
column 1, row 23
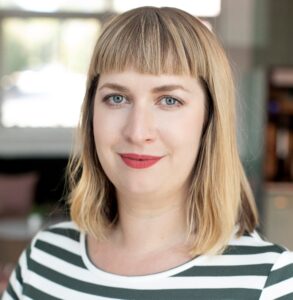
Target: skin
column 139, row 113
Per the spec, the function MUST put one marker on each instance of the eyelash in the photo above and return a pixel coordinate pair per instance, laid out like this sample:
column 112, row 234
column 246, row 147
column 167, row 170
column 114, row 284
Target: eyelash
column 107, row 99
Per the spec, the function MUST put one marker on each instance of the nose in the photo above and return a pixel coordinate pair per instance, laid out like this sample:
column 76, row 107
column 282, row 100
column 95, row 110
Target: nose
column 139, row 126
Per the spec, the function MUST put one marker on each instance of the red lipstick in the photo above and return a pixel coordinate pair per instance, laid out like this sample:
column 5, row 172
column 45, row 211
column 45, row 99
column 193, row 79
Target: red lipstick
column 139, row 161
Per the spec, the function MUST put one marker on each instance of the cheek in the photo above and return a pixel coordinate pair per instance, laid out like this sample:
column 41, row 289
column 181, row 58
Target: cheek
column 184, row 138
column 102, row 135
column 184, row 130
column 105, row 127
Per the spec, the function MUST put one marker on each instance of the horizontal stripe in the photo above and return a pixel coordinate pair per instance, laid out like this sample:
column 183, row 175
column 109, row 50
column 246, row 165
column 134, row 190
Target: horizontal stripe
column 237, row 260
column 286, row 297
column 57, row 265
column 35, row 293
column 64, row 267
column 54, row 289
column 245, row 270
column 61, row 253
column 240, row 250
column 172, row 282
column 280, row 275
column 277, row 290
column 116, row 293
column 283, row 260
column 65, row 232
column 66, row 225
column 248, row 241
column 62, row 241
column 169, row 294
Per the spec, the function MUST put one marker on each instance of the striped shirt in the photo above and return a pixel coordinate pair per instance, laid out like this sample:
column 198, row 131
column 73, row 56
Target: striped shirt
column 56, row 266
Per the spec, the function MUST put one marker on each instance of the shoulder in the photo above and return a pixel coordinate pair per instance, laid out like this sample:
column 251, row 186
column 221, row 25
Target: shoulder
column 63, row 230
column 275, row 260
column 253, row 243
column 58, row 242
column 279, row 282
column 57, row 246
column 55, row 250
column 254, row 249
column 65, row 235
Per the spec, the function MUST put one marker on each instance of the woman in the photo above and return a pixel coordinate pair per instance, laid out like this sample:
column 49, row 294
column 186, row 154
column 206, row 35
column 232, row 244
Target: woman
column 160, row 204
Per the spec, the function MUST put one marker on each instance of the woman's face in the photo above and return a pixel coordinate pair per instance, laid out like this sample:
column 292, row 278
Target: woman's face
column 158, row 116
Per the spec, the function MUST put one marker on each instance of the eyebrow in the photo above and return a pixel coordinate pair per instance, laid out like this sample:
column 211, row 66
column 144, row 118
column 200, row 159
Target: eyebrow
column 158, row 89
column 114, row 86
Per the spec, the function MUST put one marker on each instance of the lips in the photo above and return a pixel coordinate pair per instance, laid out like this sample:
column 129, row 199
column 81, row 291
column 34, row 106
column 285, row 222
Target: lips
column 139, row 161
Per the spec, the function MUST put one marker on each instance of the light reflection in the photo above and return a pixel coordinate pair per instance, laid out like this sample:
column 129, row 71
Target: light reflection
column 50, row 97
column 44, row 81
column 203, row 8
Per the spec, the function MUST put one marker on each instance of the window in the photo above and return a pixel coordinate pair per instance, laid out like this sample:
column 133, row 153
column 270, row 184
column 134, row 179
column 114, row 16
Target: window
column 44, row 66
column 43, row 61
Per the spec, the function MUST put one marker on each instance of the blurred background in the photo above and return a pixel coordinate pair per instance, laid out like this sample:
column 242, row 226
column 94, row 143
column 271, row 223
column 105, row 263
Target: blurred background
column 45, row 47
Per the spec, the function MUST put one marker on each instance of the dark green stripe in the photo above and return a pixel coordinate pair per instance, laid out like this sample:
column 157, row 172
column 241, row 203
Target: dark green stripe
column 28, row 254
column 34, row 293
column 11, row 292
column 18, row 274
column 60, row 253
column 246, row 270
column 202, row 294
column 280, row 275
column 122, row 293
column 242, row 250
column 67, row 232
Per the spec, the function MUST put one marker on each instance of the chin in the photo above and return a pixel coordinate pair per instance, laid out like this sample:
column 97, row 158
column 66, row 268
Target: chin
column 139, row 188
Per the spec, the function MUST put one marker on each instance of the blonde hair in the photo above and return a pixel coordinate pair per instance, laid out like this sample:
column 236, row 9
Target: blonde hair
column 170, row 41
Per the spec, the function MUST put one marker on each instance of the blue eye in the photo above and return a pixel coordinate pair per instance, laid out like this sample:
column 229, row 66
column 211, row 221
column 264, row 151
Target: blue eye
column 170, row 101
column 116, row 99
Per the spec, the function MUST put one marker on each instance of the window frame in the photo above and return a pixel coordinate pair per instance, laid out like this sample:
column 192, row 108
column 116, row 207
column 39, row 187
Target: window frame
column 38, row 142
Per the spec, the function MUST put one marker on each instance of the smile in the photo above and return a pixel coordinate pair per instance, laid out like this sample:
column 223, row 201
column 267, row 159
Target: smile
column 137, row 161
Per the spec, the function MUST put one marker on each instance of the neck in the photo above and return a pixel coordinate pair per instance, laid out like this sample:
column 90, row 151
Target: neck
column 150, row 223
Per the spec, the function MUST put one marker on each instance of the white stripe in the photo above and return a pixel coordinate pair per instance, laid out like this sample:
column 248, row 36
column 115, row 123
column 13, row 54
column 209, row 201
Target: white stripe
column 248, row 241
column 17, row 287
column 285, row 259
column 15, row 284
column 64, row 267
column 6, row 296
column 68, row 224
column 213, row 282
column 57, row 290
column 61, row 241
column 254, row 282
column 164, row 283
column 237, row 260
column 222, row 260
column 278, row 290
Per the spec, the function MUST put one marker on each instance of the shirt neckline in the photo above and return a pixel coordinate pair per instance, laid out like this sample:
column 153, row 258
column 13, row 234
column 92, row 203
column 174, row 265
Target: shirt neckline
column 124, row 278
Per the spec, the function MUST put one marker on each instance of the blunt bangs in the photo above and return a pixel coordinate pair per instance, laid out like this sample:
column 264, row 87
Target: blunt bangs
column 151, row 42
